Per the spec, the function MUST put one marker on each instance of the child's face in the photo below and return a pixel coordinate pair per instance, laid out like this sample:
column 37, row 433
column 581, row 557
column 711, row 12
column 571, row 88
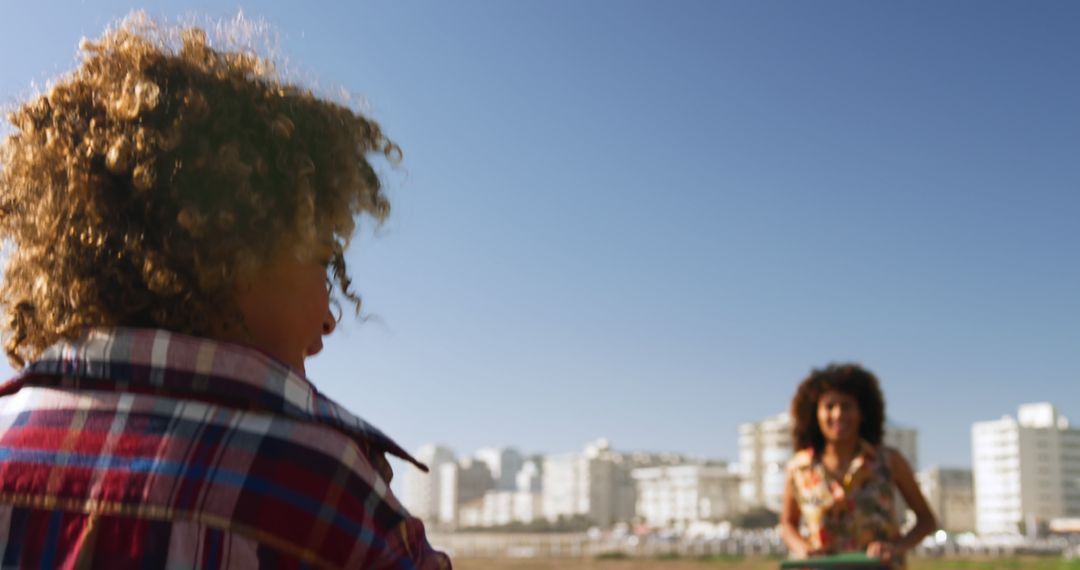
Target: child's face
column 286, row 306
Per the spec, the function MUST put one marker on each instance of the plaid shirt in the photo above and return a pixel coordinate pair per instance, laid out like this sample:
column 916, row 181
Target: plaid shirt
column 147, row 449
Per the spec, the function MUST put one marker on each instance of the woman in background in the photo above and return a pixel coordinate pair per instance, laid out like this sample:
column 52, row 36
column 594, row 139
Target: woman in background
column 840, row 483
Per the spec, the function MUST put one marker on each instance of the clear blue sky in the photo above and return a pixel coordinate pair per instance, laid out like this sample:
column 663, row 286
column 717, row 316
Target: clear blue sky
column 649, row 220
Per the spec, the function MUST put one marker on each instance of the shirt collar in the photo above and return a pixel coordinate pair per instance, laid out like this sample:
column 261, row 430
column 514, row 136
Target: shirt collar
column 855, row 473
column 159, row 361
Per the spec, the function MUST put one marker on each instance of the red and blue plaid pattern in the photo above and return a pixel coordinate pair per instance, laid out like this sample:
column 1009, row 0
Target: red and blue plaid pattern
column 142, row 448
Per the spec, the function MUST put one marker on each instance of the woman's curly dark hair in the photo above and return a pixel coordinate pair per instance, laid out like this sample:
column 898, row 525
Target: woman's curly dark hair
column 149, row 181
column 850, row 379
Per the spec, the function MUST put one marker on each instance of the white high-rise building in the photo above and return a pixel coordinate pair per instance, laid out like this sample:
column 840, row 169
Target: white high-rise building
column 596, row 484
column 764, row 450
column 460, row 483
column 514, row 496
column 421, row 496
column 529, row 478
column 1026, row 470
column 626, row 485
column 678, row 495
column 504, row 464
column 950, row 493
column 580, row 484
column 766, row 446
column 499, row 508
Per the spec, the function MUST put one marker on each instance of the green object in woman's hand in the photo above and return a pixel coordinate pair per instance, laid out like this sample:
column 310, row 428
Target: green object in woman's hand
column 844, row 561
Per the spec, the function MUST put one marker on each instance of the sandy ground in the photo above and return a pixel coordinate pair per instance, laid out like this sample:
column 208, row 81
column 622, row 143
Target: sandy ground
column 642, row 564
column 751, row 564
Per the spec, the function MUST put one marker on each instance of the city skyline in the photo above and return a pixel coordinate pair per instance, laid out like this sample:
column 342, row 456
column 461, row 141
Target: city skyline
column 648, row 223
column 904, row 437
column 1025, row 480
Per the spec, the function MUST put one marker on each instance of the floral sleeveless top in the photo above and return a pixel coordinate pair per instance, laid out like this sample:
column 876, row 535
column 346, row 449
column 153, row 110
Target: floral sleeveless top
column 846, row 514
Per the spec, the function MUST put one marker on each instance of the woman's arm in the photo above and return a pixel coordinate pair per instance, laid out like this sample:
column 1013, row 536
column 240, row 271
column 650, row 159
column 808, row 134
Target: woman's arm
column 789, row 521
column 925, row 523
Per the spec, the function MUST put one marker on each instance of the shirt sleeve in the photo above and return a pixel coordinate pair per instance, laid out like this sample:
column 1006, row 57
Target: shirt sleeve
column 408, row 547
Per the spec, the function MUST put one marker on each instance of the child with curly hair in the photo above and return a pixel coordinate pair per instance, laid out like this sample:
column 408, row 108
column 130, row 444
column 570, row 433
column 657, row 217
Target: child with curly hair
column 841, row 480
column 177, row 217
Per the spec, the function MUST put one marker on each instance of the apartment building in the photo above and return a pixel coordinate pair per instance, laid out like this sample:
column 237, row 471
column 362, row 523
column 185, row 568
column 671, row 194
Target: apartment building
column 950, row 493
column 421, row 493
column 1026, row 470
column 680, row 495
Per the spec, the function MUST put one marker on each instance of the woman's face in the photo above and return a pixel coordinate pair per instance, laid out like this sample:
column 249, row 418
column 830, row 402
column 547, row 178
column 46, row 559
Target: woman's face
column 838, row 417
column 286, row 306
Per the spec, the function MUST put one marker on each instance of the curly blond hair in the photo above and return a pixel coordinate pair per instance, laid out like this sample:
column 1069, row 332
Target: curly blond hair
column 147, row 182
